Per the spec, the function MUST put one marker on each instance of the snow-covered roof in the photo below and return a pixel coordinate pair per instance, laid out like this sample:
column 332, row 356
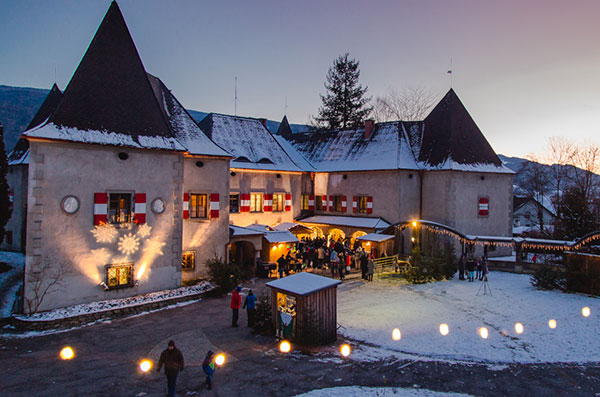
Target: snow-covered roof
column 352, row 221
column 280, row 237
column 303, row 283
column 250, row 143
column 289, row 225
column 375, row 237
column 243, row 231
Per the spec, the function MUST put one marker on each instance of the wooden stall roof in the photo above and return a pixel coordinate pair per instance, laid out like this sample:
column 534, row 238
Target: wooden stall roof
column 375, row 237
column 303, row 283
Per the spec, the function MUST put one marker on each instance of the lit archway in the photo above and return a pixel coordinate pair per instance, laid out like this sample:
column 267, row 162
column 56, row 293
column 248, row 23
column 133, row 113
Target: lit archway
column 356, row 235
column 317, row 232
column 336, row 235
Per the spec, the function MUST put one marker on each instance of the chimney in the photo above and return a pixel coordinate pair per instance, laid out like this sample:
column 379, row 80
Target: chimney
column 369, row 125
column 264, row 122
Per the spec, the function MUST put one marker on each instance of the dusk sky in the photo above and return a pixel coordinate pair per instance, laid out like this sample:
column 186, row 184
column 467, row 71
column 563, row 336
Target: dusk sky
column 525, row 70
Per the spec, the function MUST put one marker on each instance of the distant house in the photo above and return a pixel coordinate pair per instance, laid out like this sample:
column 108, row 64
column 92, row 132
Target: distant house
column 526, row 214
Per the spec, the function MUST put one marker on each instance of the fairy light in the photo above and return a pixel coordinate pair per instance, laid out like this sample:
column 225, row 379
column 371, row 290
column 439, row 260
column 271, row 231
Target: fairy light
column 396, row 334
column 444, row 329
column 483, row 332
column 552, row 324
column 519, row 328
column 585, row 312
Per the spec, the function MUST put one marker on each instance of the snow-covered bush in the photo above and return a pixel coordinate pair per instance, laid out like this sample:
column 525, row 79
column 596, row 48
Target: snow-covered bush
column 263, row 322
column 547, row 277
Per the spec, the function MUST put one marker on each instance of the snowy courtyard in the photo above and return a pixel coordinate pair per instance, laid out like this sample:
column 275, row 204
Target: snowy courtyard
column 368, row 313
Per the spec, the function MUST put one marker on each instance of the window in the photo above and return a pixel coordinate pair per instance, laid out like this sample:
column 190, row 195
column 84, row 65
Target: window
column 234, row 203
column 198, row 206
column 188, row 260
column 319, row 203
column 337, row 203
column 362, row 204
column 119, row 208
column 118, row 276
column 304, row 202
column 256, row 202
column 278, row 202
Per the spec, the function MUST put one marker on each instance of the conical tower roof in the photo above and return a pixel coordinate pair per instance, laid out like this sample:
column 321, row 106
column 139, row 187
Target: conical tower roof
column 284, row 128
column 451, row 134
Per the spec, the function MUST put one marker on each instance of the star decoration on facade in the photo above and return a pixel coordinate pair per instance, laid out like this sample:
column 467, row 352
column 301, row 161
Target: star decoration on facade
column 144, row 230
column 129, row 244
column 101, row 255
column 153, row 247
column 105, row 233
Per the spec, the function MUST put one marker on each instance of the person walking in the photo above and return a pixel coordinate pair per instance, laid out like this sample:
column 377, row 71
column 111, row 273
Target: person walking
column 281, row 265
column 236, row 302
column 334, row 262
column 371, row 269
column 172, row 359
column 208, row 366
column 341, row 268
column 250, row 306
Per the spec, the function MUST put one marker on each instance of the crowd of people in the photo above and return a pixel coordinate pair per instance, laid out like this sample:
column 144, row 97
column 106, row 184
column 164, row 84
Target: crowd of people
column 337, row 257
column 472, row 268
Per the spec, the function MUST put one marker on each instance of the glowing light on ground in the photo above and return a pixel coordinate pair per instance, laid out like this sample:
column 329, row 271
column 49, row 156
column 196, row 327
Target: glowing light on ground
column 285, row 347
column 519, row 328
column 552, row 324
column 483, row 332
column 144, row 230
column 67, row 353
column 145, row 365
column 585, row 312
column 444, row 329
column 220, row 359
column 396, row 334
column 105, row 233
column 345, row 350
column 129, row 244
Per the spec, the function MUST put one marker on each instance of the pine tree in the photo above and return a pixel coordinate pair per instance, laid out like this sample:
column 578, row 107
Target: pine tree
column 5, row 204
column 345, row 104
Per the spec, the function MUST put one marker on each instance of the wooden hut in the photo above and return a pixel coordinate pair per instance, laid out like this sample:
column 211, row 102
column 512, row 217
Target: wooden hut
column 305, row 308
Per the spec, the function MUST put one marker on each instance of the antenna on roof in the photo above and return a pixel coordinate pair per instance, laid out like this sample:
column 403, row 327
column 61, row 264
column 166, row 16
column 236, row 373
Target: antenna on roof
column 235, row 99
column 450, row 72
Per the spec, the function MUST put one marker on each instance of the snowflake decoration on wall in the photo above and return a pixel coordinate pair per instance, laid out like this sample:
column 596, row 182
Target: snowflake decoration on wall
column 153, row 247
column 144, row 230
column 105, row 233
column 129, row 244
column 101, row 255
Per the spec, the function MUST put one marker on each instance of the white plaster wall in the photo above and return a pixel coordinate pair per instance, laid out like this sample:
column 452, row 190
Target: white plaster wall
column 60, row 169
column 208, row 238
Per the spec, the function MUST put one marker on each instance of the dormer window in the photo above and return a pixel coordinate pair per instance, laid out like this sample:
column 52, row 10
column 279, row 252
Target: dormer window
column 242, row 159
column 265, row 160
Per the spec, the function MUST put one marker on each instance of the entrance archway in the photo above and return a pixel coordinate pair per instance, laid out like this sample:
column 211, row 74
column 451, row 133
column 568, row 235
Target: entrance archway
column 335, row 235
column 356, row 235
column 243, row 254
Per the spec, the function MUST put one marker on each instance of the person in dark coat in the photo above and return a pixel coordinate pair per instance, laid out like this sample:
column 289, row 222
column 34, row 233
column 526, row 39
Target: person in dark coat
column 172, row 359
column 250, row 306
column 461, row 267
column 281, row 265
column 364, row 262
column 236, row 302
column 208, row 366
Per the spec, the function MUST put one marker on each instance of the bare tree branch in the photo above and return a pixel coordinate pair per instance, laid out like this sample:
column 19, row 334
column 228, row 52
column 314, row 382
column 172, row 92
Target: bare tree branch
column 408, row 104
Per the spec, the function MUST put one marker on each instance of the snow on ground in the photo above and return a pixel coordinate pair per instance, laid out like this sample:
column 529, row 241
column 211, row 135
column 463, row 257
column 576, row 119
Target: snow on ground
column 368, row 313
column 10, row 281
column 112, row 304
column 356, row 391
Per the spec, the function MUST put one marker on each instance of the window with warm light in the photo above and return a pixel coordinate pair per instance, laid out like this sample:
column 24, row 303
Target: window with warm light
column 256, row 202
column 337, row 203
column 304, row 202
column 278, row 202
column 198, row 209
column 362, row 204
column 119, row 276
column 234, row 203
column 119, row 208
column 188, row 260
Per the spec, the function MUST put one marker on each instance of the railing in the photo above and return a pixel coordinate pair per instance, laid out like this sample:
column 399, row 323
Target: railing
column 392, row 264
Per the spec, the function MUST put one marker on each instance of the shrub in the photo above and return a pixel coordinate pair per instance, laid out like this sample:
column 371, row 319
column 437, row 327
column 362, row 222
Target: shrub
column 547, row 278
column 225, row 276
column 425, row 269
column 264, row 314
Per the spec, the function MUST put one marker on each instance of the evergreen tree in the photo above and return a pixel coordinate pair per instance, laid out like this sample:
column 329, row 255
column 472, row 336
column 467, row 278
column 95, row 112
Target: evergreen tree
column 5, row 204
column 345, row 104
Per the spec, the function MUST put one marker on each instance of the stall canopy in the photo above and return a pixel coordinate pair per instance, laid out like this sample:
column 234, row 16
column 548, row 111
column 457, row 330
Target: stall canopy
column 351, row 221
column 303, row 284
column 280, row 237
column 375, row 237
column 243, row 231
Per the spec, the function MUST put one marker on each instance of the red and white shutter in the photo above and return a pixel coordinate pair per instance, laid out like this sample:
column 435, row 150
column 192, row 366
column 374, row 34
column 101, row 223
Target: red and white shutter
column 354, row 204
column 484, row 206
column 330, row 203
column 311, row 202
column 186, row 205
column 214, row 205
column 268, row 202
column 369, row 205
column 245, row 202
column 139, row 208
column 288, row 201
column 100, row 208
column 324, row 203
column 344, row 204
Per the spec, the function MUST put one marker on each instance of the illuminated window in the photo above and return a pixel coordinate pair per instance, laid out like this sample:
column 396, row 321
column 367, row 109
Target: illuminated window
column 362, row 204
column 278, row 202
column 337, row 203
column 198, row 206
column 256, row 202
column 188, row 260
column 234, row 203
column 304, row 202
column 319, row 203
column 119, row 208
column 119, row 276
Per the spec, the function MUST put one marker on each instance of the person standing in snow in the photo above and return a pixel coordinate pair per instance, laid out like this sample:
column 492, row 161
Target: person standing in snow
column 236, row 302
column 281, row 265
column 471, row 268
column 364, row 265
column 250, row 306
column 479, row 268
column 172, row 359
column 371, row 269
column 208, row 366
column 334, row 262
